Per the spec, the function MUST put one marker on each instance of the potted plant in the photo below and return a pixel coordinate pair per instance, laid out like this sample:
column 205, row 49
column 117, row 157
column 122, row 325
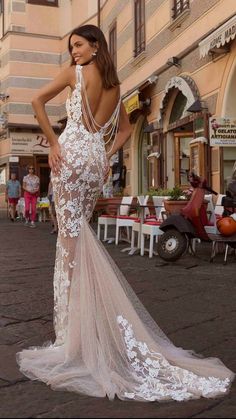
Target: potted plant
column 158, row 192
column 176, row 201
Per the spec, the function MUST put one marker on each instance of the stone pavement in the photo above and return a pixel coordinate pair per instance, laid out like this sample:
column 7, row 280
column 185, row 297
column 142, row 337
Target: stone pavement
column 192, row 300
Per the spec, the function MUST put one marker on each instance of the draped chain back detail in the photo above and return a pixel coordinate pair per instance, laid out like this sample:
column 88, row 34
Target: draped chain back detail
column 106, row 342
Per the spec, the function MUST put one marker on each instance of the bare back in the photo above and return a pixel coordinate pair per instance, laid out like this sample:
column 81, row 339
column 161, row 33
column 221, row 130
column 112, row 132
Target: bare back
column 102, row 102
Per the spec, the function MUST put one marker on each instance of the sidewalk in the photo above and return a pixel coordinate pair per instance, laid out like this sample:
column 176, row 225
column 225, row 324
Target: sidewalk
column 192, row 300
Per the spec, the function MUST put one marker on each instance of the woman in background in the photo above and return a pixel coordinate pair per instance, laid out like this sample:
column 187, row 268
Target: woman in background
column 31, row 184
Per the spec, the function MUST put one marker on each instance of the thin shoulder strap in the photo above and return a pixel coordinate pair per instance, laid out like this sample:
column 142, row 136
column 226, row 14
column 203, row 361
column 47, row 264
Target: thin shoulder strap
column 78, row 73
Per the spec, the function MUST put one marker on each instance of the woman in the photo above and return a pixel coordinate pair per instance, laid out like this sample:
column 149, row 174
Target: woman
column 106, row 342
column 31, row 192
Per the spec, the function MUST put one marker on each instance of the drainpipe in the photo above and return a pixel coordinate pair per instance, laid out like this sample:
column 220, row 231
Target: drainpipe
column 98, row 13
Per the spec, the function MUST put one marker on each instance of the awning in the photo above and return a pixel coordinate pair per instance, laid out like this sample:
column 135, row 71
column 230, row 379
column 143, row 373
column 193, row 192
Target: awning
column 131, row 102
column 219, row 37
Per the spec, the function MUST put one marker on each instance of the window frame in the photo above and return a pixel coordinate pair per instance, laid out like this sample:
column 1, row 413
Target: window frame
column 139, row 27
column 179, row 7
column 113, row 43
column 43, row 3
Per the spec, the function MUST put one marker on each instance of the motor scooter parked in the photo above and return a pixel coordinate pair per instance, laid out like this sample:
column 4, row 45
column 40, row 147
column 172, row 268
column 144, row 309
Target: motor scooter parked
column 179, row 229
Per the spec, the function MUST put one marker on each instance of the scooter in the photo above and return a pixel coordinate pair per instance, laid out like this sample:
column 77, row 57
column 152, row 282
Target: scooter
column 179, row 229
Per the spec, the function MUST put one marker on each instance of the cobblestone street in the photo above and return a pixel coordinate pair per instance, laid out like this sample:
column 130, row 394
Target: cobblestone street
column 192, row 300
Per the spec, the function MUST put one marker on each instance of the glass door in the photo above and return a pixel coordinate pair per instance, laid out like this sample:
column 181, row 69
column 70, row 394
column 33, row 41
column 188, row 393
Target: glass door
column 182, row 157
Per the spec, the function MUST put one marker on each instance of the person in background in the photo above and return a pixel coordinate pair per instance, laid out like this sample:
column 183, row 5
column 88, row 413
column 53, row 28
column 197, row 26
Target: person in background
column 31, row 184
column 52, row 209
column 13, row 193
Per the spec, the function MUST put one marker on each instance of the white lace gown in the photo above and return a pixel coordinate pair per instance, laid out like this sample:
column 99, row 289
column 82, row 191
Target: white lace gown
column 106, row 343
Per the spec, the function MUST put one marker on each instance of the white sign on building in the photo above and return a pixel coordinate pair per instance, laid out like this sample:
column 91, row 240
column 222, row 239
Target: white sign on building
column 221, row 36
column 222, row 131
column 28, row 144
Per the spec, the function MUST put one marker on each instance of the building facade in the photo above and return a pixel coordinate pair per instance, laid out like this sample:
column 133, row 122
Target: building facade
column 176, row 60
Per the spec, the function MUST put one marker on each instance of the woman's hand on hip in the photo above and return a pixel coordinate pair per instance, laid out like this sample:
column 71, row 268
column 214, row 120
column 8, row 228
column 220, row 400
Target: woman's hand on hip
column 55, row 158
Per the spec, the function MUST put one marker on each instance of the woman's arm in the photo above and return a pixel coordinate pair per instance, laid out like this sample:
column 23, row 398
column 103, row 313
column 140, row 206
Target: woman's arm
column 48, row 92
column 123, row 134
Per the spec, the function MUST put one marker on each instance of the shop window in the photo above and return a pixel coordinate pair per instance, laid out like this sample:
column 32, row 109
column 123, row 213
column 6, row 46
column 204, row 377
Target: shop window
column 53, row 3
column 179, row 7
column 139, row 27
column 113, row 44
column 182, row 158
column 178, row 107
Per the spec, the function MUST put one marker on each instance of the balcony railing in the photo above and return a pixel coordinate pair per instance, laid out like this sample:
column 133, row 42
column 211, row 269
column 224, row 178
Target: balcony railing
column 179, row 7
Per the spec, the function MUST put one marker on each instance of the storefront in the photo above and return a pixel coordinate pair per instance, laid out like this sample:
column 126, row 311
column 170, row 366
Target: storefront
column 19, row 151
column 183, row 122
column 221, row 46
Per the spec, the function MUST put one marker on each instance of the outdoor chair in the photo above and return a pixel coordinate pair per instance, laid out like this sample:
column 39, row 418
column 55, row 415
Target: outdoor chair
column 126, row 221
column 110, row 220
column 149, row 227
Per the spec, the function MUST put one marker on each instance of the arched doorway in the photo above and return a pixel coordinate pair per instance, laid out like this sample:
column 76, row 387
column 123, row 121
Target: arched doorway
column 177, row 141
column 140, row 165
column 181, row 128
column 143, row 163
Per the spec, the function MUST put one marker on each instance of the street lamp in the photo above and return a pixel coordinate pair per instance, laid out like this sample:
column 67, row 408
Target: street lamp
column 3, row 97
column 156, row 155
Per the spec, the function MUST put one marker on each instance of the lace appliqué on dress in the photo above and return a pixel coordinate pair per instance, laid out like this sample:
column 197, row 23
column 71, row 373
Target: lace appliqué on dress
column 159, row 380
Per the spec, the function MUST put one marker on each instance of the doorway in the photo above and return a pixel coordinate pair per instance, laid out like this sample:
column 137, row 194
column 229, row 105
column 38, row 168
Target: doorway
column 43, row 172
column 182, row 157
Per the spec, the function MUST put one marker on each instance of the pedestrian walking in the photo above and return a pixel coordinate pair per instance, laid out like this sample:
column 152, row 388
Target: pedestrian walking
column 106, row 344
column 13, row 193
column 31, row 185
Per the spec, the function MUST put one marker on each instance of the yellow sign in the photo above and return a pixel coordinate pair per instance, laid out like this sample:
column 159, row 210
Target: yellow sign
column 132, row 103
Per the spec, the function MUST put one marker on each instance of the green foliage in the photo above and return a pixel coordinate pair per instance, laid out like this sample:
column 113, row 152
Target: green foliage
column 176, row 193
column 158, row 192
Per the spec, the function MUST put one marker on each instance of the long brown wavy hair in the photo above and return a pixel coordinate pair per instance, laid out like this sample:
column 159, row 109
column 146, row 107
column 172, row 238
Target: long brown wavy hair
column 103, row 58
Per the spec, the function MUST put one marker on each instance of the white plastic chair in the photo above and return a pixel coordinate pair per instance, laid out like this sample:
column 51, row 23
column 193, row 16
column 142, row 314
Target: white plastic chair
column 124, row 220
column 150, row 227
column 142, row 200
column 110, row 220
column 158, row 202
column 218, row 207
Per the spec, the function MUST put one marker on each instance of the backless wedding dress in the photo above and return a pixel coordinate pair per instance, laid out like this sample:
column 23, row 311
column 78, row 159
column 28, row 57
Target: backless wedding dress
column 106, row 343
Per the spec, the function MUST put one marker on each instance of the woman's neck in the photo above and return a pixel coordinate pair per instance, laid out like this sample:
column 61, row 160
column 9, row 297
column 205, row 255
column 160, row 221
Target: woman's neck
column 91, row 61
